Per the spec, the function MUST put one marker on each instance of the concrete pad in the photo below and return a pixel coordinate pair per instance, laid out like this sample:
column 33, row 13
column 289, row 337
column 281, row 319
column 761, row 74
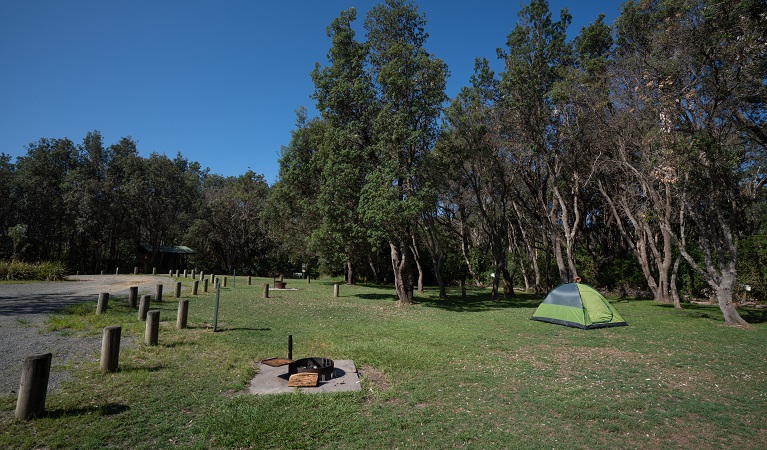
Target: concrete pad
column 274, row 380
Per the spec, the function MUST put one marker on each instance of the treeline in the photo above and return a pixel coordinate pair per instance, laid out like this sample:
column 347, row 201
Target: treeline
column 630, row 156
column 95, row 207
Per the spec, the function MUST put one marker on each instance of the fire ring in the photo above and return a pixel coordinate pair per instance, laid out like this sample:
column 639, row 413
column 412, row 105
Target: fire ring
column 324, row 367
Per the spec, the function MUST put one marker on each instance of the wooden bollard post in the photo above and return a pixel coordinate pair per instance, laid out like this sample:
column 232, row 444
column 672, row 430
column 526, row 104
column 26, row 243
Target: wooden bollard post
column 225, row 281
column 266, row 290
column 33, row 386
column 195, row 286
column 154, row 270
column 205, row 285
column 102, row 272
column 178, row 289
column 117, row 271
column 250, row 280
column 170, row 273
column 202, row 275
column 143, row 307
column 335, row 290
column 158, row 293
column 110, row 348
column 101, row 306
column 152, row 327
column 177, row 272
column 184, row 273
column 133, row 297
column 135, row 271
column 212, row 279
column 183, row 313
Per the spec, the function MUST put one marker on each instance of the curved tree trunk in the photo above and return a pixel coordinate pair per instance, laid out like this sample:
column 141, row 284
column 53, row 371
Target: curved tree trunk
column 403, row 278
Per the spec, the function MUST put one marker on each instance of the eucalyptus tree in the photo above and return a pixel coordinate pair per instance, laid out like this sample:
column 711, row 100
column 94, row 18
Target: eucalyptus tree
column 346, row 100
column 718, row 120
column 536, row 59
column 697, row 69
column 411, row 85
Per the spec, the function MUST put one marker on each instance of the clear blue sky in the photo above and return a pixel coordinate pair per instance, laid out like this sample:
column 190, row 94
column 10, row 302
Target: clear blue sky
column 218, row 81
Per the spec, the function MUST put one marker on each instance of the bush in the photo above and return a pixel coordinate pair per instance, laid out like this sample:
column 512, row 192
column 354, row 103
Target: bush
column 19, row 270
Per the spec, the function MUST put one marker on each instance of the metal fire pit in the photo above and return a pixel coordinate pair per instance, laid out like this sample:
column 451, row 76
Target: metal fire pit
column 322, row 366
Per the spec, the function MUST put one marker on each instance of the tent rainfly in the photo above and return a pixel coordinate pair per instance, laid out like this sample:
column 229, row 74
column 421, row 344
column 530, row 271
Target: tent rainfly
column 580, row 306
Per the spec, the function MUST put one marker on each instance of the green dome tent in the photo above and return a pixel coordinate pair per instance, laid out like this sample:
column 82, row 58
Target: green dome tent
column 580, row 306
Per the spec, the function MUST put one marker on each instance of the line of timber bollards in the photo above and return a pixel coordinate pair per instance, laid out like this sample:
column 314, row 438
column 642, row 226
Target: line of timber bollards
column 33, row 386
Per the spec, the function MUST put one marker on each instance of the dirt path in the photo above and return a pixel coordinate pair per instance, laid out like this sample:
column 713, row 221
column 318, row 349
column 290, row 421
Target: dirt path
column 24, row 306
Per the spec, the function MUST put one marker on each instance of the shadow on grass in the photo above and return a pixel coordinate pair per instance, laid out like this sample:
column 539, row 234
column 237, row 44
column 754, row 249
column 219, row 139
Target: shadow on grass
column 106, row 410
column 480, row 300
column 711, row 311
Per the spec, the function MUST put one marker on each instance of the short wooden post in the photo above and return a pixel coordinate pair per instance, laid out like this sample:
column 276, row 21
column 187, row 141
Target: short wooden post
column 335, row 290
column 205, row 285
column 250, row 280
column 202, row 275
column 152, row 327
column 170, row 273
column 158, row 293
column 184, row 273
column 178, row 289
column 110, row 348
column 177, row 272
column 212, row 279
column 225, row 281
column 154, row 270
column 143, row 307
column 102, row 272
column 195, row 286
column 133, row 297
column 33, row 386
column 266, row 290
column 183, row 313
column 101, row 306
column 135, row 271
column 117, row 271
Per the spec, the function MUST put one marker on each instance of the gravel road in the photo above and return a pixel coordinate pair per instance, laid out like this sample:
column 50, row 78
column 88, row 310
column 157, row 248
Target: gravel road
column 24, row 307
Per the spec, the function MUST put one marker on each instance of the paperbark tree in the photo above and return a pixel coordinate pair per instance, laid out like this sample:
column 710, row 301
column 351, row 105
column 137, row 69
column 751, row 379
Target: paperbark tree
column 411, row 85
column 346, row 100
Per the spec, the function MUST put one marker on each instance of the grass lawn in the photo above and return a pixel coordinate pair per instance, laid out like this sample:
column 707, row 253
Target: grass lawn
column 440, row 374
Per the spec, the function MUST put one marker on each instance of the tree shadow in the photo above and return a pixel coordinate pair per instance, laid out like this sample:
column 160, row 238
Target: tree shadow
column 109, row 409
column 479, row 300
column 711, row 311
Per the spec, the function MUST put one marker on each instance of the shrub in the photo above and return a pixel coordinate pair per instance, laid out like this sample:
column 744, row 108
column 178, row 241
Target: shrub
column 19, row 270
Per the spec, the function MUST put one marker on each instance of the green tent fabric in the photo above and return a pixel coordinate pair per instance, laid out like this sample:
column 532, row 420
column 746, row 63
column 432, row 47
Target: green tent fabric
column 578, row 305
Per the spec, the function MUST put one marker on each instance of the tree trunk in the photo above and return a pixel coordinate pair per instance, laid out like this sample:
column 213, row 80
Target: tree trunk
column 373, row 268
column 349, row 272
column 724, row 297
column 403, row 278
column 508, row 283
column 674, row 291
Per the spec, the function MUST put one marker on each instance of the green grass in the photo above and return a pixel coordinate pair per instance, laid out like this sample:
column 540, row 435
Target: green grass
column 440, row 374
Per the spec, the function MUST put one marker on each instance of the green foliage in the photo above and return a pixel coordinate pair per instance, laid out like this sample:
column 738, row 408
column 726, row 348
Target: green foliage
column 15, row 270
